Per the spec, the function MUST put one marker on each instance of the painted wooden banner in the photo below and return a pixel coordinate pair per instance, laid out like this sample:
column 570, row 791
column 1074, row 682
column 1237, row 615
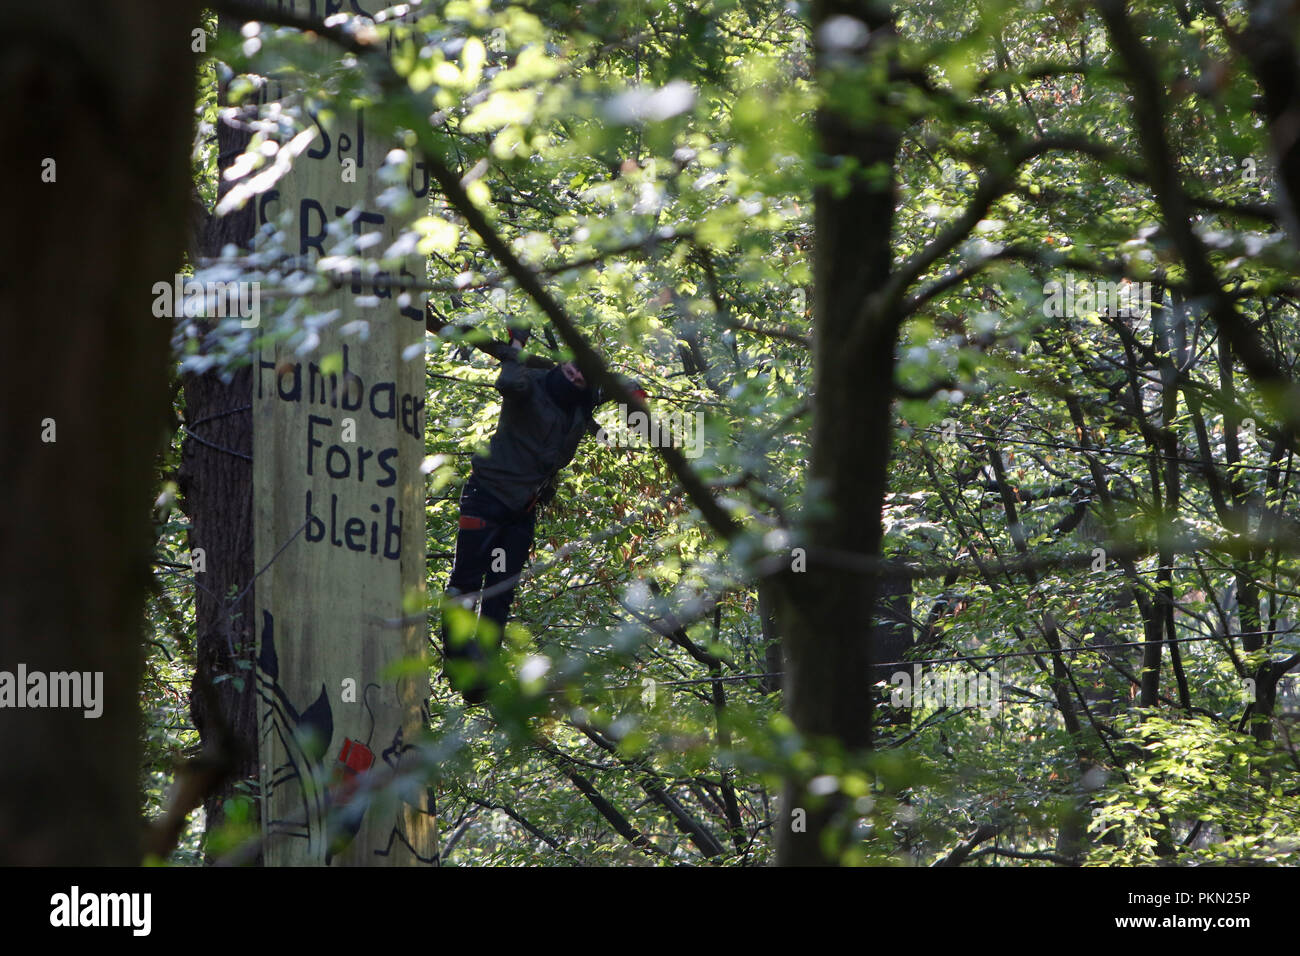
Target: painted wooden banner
column 338, row 438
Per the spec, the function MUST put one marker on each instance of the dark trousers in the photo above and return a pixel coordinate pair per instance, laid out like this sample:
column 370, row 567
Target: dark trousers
column 492, row 545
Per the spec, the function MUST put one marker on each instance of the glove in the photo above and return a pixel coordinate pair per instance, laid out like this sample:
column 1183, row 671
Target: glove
column 547, row 493
column 518, row 334
column 631, row 384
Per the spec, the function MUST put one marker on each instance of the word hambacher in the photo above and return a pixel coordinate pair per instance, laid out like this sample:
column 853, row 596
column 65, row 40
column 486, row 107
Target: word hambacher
column 323, row 389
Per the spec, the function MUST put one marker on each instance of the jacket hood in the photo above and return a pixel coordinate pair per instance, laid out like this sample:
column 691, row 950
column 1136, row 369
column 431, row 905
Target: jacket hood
column 563, row 392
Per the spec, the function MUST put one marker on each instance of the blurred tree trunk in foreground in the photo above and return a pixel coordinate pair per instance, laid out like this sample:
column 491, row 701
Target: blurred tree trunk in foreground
column 97, row 112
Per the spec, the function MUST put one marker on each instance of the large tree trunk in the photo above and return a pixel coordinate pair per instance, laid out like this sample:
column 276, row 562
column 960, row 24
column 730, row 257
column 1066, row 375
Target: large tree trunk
column 826, row 614
column 1269, row 44
column 216, row 482
column 106, row 93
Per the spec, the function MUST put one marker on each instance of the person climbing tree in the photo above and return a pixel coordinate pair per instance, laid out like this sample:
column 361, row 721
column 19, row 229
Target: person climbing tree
column 544, row 415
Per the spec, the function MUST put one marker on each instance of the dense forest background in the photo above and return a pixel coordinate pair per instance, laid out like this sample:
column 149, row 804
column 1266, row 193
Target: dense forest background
column 989, row 317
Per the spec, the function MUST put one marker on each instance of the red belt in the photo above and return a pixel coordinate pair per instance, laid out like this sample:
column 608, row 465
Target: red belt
column 473, row 523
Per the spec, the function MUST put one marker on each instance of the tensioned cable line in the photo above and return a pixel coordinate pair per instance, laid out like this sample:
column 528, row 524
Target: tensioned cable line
column 956, row 660
column 1063, row 446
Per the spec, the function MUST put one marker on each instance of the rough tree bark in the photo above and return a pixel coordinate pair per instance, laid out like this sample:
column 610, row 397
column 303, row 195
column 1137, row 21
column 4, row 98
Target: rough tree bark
column 106, row 94
column 216, row 483
column 825, row 613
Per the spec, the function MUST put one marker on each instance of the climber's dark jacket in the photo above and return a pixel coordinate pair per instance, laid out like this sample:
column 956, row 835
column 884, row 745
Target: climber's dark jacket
column 535, row 438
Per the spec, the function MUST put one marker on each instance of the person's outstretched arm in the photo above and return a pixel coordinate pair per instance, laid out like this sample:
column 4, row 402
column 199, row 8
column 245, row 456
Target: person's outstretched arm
column 514, row 378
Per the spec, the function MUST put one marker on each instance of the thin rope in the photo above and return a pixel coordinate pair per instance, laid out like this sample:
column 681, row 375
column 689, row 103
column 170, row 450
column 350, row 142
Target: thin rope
column 1063, row 446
